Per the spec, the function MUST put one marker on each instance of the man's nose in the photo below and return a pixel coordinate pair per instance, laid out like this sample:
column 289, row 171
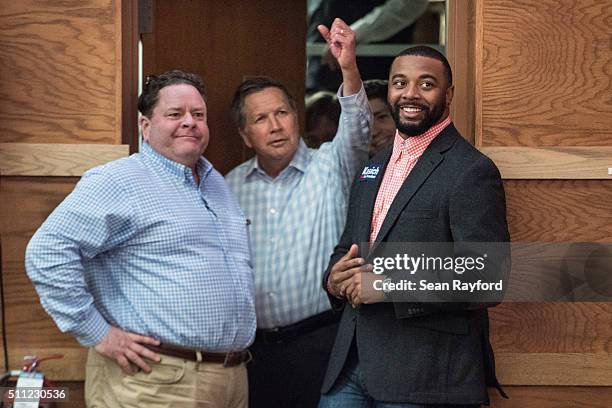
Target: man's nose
column 411, row 92
column 188, row 120
column 275, row 123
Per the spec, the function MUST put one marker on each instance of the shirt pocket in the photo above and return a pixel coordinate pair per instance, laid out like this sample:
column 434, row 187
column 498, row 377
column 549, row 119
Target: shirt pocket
column 236, row 228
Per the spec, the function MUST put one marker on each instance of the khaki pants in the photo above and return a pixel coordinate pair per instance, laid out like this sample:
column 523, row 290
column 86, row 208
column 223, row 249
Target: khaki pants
column 173, row 382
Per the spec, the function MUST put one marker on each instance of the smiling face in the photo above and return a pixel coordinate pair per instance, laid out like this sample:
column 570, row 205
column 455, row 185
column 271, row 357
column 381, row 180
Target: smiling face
column 177, row 128
column 270, row 129
column 419, row 94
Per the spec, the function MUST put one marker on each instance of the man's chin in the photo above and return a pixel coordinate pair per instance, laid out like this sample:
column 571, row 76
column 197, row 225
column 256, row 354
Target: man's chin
column 412, row 129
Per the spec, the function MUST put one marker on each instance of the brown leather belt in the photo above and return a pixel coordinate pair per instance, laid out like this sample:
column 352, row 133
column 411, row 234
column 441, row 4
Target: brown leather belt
column 230, row 359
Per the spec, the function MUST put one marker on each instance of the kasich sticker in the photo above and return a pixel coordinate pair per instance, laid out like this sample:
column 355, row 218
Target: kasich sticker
column 369, row 173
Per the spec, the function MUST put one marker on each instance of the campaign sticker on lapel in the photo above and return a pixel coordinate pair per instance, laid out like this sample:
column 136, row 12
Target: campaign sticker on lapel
column 369, row 173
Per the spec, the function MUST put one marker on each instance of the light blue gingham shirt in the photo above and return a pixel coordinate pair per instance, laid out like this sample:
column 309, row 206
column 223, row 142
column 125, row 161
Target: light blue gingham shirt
column 298, row 217
column 140, row 246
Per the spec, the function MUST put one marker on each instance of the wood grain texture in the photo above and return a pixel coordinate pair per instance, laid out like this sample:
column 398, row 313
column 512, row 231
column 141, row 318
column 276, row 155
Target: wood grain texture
column 552, row 162
column 229, row 40
column 460, row 52
column 60, row 71
column 553, row 397
column 545, row 72
column 554, row 369
column 552, row 327
column 559, row 210
column 25, row 204
column 39, row 159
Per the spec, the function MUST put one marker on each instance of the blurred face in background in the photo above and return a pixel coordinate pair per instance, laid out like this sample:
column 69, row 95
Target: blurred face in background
column 383, row 128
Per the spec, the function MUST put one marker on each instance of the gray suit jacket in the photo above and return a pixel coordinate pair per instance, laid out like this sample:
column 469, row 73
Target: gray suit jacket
column 430, row 353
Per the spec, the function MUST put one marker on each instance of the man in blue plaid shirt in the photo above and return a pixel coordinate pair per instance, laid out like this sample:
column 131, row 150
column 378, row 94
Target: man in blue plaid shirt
column 147, row 263
column 296, row 199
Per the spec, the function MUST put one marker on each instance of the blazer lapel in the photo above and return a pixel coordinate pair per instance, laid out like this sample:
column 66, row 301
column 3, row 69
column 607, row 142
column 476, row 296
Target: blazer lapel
column 368, row 196
column 427, row 163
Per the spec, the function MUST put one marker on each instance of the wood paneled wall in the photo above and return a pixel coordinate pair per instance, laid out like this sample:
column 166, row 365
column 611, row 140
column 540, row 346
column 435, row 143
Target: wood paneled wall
column 60, row 74
column 542, row 112
column 535, row 75
column 62, row 92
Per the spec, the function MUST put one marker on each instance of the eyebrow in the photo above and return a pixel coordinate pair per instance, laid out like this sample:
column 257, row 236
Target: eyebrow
column 423, row 76
column 428, row 76
column 180, row 108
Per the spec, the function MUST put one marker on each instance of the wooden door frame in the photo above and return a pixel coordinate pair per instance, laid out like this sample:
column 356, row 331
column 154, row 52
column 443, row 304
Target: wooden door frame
column 130, row 36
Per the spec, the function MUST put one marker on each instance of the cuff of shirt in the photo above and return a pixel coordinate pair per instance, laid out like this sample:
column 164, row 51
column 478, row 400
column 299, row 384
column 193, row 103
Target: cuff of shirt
column 92, row 330
column 352, row 102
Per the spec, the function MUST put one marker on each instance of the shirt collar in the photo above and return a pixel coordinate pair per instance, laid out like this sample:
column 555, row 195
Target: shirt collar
column 178, row 170
column 299, row 162
column 414, row 146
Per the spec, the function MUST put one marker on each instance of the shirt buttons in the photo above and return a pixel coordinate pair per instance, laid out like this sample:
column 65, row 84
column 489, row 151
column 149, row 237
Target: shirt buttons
column 271, row 294
column 272, row 211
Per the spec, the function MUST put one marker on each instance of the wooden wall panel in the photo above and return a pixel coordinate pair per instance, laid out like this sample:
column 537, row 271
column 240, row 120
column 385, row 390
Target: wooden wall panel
column 61, row 112
column 26, row 203
column 546, row 73
column 542, row 80
column 60, row 67
column 224, row 42
column 552, row 328
column 553, row 397
column 559, row 210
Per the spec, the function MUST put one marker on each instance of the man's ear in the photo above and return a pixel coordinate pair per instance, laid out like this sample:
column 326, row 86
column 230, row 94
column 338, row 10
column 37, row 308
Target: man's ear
column 145, row 126
column 245, row 138
column 450, row 91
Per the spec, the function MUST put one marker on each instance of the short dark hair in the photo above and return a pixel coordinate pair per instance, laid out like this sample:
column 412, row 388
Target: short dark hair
column 155, row 83
column 252, row 85
column 376, row 88
column 425, row 51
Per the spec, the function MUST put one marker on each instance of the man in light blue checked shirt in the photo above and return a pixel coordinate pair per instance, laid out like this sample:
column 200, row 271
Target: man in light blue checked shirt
column 147, row 262
column 296, row 199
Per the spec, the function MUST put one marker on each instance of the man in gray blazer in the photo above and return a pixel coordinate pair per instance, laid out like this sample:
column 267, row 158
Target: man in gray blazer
column 430, row 186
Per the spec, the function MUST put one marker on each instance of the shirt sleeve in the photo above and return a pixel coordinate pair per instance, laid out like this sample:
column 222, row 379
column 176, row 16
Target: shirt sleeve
column 352, row 141
column 387, row 19
column 94, row 218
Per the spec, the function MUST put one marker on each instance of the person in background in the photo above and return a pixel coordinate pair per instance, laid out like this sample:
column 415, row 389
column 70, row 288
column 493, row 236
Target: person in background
column 296, row 199
column 146, row 263
column 322, row 116
column 383, row 127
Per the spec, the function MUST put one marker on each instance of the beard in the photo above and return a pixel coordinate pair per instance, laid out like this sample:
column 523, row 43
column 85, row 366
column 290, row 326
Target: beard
column 431, row 117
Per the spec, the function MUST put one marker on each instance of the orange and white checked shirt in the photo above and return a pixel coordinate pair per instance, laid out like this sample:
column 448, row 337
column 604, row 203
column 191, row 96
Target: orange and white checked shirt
column 406, row 153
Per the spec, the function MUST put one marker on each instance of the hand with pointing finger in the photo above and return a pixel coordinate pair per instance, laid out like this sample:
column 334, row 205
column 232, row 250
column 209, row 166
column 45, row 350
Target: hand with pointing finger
column 340, row 40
